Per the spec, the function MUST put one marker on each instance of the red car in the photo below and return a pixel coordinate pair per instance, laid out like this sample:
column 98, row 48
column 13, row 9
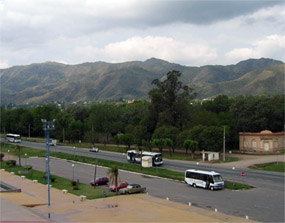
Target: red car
column 121, row 185
column 100, row 181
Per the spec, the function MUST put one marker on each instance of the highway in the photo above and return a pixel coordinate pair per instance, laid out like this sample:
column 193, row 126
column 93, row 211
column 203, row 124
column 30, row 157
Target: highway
column 263, row 203
column 253, row 177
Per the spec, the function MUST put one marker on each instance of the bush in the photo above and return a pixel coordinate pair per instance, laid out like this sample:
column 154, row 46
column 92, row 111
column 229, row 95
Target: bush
column 52, row 178
column 1, row 156
column 11, row 163
column 73, row 183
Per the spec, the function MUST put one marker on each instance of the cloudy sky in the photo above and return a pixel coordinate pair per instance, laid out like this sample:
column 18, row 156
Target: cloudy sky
column 187, row 32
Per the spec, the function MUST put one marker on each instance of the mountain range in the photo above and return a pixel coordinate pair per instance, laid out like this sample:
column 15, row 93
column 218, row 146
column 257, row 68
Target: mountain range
column 100, row 81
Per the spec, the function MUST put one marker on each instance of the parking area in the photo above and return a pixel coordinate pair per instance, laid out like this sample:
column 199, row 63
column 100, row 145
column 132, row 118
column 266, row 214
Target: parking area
column 31, row 205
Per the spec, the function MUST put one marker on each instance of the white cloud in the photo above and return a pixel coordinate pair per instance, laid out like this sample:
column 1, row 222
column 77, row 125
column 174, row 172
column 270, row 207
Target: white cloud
column 141, row 48
column 77, row 31
column 272, row 46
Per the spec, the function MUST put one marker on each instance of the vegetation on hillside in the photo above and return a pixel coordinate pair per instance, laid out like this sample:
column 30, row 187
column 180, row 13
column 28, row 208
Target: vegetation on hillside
column 47, row 82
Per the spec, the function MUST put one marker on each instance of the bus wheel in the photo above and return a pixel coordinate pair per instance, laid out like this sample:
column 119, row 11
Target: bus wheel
column 212, row 188
column 194, row 185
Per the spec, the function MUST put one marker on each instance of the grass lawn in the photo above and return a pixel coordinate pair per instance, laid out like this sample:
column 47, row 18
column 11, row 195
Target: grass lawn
column 60, row 183
column 236, row 186
column 275, row 167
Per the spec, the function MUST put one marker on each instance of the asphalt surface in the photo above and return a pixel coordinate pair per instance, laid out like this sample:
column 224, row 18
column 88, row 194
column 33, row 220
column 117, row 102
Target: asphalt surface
column 255, row 178
column 263, row 203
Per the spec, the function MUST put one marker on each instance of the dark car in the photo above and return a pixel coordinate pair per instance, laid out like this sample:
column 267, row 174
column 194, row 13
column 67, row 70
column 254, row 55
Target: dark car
column 94, row 149
column 120, row 186
column 132, row 188
column 100, row 181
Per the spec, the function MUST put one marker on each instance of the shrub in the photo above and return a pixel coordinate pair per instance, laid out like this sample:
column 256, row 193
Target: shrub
column 52, row 178
column 11, row 163
column 73, row 183
column 1, row 156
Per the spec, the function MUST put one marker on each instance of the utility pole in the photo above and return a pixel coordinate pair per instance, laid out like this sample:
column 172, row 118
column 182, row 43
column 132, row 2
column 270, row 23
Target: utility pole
column 29, row 130
column 224, row 144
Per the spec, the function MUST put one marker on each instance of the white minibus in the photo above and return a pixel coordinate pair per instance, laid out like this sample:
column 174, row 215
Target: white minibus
column 206, row 179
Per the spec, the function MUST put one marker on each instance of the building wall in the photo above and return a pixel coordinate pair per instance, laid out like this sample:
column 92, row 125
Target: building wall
column 265, row 141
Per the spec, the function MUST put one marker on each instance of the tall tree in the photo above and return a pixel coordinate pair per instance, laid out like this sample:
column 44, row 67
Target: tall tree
column 158, row 143
column 192, row 145
column 127, row 139
column 169, row 100
column 168, row 143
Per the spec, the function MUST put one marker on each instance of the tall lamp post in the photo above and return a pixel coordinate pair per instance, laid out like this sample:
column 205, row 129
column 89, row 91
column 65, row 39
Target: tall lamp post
column 72, row 171
column 224, row 144
column 26, row 159
column 47, row 127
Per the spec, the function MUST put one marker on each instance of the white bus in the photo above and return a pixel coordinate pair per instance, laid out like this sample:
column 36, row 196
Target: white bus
column 13, row 137
column 206, row 179
column 135, row 157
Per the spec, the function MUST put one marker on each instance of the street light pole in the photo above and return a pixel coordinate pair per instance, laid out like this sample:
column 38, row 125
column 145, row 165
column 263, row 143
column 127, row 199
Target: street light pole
column 224, row 144
column 47, row 127
column 29, row 130
column 74, row 149
column 25, row 159
column 72, row 172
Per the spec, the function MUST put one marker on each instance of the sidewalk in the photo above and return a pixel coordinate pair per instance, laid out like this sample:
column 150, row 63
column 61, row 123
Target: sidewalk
column 69, row 208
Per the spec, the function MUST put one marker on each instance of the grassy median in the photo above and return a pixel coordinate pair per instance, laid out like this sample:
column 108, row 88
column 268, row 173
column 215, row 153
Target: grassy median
column 274, row 166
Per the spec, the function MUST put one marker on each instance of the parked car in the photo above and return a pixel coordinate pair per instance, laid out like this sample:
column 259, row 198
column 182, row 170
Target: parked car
column 132, row 188
column 100, row 181
column 94, row 149
column 120, row 186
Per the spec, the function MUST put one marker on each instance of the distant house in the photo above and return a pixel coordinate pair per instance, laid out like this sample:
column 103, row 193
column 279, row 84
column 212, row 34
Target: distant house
column 264, row 141
column 131, row 101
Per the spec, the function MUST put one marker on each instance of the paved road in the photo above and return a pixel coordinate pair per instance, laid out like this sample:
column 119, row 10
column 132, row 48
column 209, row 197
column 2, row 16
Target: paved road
column 263, row 203
column 253, row 177
column 254, row 203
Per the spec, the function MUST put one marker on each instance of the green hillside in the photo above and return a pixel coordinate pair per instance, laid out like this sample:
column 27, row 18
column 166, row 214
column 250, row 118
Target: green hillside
column 99, row 81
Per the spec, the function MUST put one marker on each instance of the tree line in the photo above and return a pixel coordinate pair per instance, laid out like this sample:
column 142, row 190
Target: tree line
column 172, row 119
